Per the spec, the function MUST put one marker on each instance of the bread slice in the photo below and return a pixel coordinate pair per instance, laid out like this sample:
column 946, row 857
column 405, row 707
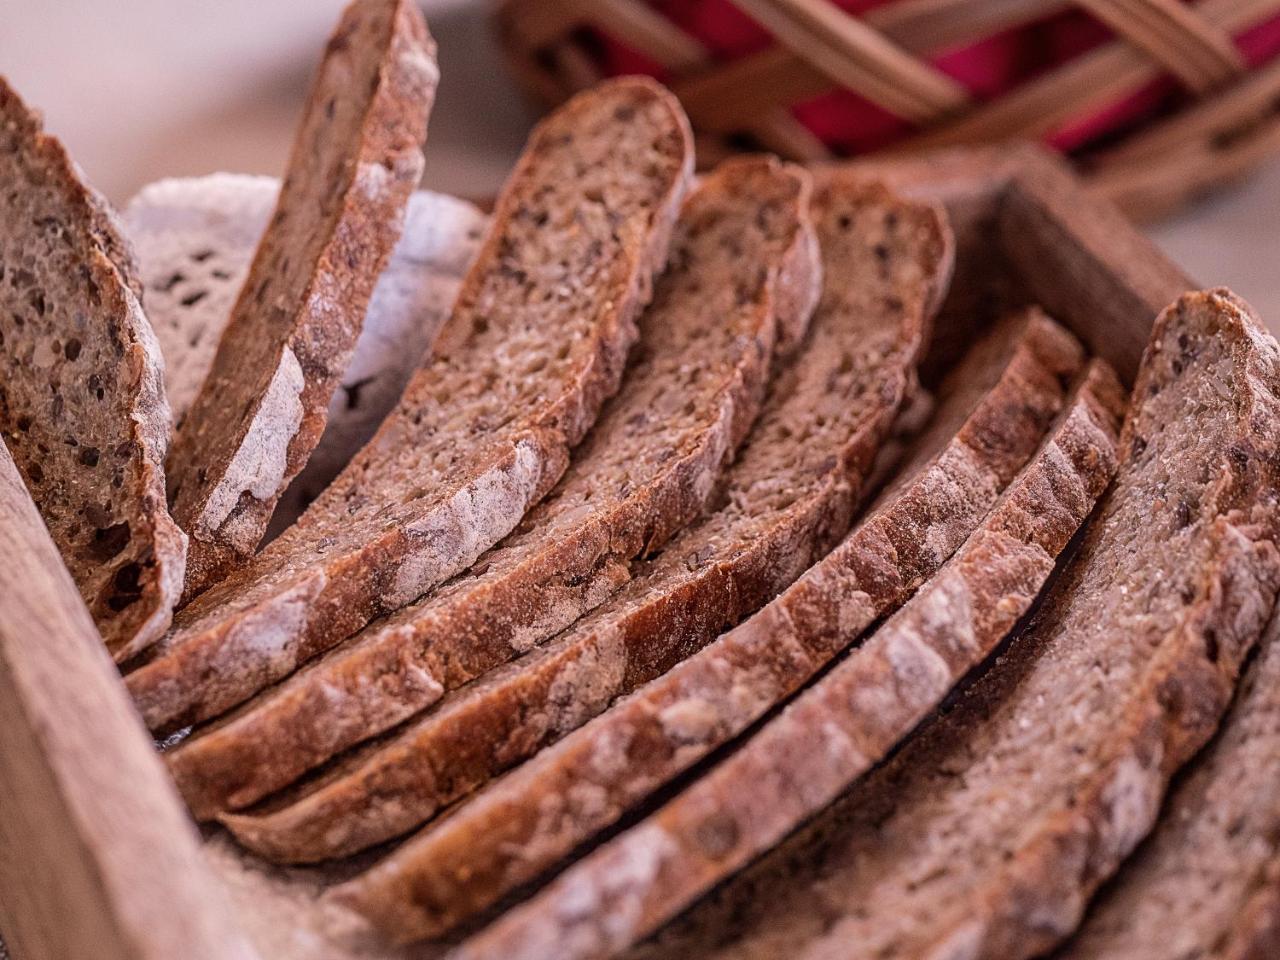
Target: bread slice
column 261, row 409
column 1206, row 884
column 195, row 239
column 536, row 342
column 995, row 410
column 744, row 265
column 986, row 834
column 82, row 404
column 793, row 490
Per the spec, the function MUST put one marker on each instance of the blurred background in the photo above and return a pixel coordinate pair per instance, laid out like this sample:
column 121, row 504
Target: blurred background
column 141, row 89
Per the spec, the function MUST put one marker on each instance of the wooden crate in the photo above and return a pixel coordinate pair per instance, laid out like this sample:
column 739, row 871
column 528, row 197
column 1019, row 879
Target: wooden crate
column 97, row 855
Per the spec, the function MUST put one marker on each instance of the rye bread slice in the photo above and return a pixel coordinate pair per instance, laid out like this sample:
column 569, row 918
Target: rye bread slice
column 792, row 493
column 82, row 404
column 261, row 409
column 998, row 404
column 993, row 412
column 986, row 834
column 744, row 265
column 195, row 239
column 800, row 760
column 536, row 342
column 1206, row 884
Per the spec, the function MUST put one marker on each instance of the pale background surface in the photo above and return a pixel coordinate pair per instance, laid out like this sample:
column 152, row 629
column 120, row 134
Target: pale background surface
column 146, row 88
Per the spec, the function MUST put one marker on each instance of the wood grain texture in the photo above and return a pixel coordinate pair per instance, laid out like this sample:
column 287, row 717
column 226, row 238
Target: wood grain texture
column 96, row 856
column 1081, row 260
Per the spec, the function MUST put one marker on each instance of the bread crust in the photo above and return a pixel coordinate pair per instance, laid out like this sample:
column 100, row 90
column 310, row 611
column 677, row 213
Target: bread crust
column 99, row 483
column 263, row 406
column 376, row 539
column 572, row 551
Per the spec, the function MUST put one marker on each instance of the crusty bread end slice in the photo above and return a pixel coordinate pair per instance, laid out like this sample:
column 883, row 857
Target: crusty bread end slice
column 82, row 402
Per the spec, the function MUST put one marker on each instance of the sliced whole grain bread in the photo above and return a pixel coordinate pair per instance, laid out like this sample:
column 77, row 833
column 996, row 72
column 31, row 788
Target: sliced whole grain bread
column 536, row 342
column 1206, row 883
column 744, row 265
column 994, row 410
column 261, row 408
column 985, row 835
column 195, row 239
column 800, row 760
column 82, row 403
column 792, row 493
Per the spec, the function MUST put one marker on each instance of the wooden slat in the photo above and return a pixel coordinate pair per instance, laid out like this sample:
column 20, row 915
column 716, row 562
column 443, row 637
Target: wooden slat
column 858, row 57
column 929, row 26
column 783, row 134
column 1084, row 262
column 647, row 31
column 536, row 23
column 1098, row 78
column 97, row 857
column 727, row 98
column 1199, row 53
column 1157, row 186
column 1246, row 102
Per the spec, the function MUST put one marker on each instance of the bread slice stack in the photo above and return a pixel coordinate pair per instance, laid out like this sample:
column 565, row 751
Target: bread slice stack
column 811, row 442
column 611, row 575
column 744, row 277
column 535, row 344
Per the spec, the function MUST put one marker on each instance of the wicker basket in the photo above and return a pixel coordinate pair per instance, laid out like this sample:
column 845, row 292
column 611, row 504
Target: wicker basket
column 1227, row 117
